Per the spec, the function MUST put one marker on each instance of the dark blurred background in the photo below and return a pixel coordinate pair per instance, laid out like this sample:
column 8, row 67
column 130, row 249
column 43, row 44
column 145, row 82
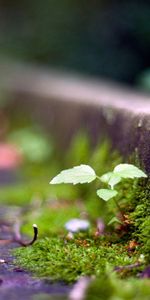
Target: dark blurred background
column 105, row 38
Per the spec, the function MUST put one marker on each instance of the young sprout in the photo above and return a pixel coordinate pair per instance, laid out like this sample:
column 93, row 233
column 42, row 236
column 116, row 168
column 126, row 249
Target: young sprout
column 86, row 174
column 18, row 239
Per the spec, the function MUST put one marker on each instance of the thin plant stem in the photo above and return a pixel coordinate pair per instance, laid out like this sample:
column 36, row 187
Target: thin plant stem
column 116, row 203
column 128, row 267
column 119, row 208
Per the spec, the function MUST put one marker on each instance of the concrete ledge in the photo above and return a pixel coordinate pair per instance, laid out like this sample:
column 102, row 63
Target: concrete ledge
column 65, row 103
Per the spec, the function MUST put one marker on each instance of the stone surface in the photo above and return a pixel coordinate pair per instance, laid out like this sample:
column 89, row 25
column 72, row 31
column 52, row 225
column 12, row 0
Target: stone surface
column 64, row 103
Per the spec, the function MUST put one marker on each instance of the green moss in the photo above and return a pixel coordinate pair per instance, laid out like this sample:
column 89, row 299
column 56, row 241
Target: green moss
column 141, row 216
column 64, row 260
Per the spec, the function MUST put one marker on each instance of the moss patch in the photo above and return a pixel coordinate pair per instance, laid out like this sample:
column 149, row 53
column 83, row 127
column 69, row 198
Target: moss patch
column 65, row 260
column 141, row 216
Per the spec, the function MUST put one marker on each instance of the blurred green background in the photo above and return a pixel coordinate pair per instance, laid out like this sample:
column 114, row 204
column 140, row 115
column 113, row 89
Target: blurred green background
column 106, row 38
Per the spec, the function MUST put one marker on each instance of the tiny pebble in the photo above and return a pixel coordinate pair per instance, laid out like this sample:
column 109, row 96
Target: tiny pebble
column 18, row 270
column 2, row 261
column 76, row 225
column 69, row 236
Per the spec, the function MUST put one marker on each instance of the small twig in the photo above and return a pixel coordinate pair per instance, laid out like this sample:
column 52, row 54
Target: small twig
column 100, row 227
column 128, row 267
column 17, row 236
column 18, row 239
column 119, row 208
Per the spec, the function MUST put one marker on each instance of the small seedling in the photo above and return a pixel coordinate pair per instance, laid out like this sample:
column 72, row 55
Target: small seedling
column 86, row 174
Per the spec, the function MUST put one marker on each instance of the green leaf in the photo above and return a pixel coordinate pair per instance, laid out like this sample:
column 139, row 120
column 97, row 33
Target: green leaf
column 114, row 179
column 111, row 178
column 106, row 177
column 106, row 194
column 78, row 174
column 128, row 171
column 114, row 220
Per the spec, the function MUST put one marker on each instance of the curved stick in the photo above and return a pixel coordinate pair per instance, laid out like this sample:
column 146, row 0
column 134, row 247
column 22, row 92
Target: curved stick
column 18, row 239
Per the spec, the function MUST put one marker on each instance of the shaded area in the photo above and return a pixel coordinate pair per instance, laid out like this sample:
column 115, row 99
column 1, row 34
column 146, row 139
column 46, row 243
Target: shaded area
column 106, row 38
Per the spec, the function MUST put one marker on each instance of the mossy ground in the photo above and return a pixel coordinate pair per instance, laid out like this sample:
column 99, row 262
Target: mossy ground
column 56, row 257
column 60, row 259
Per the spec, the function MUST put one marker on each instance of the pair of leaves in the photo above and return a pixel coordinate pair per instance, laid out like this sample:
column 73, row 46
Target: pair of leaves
column 82, row 174
column 122, row 171
column 113, row 178
column 85, row 174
